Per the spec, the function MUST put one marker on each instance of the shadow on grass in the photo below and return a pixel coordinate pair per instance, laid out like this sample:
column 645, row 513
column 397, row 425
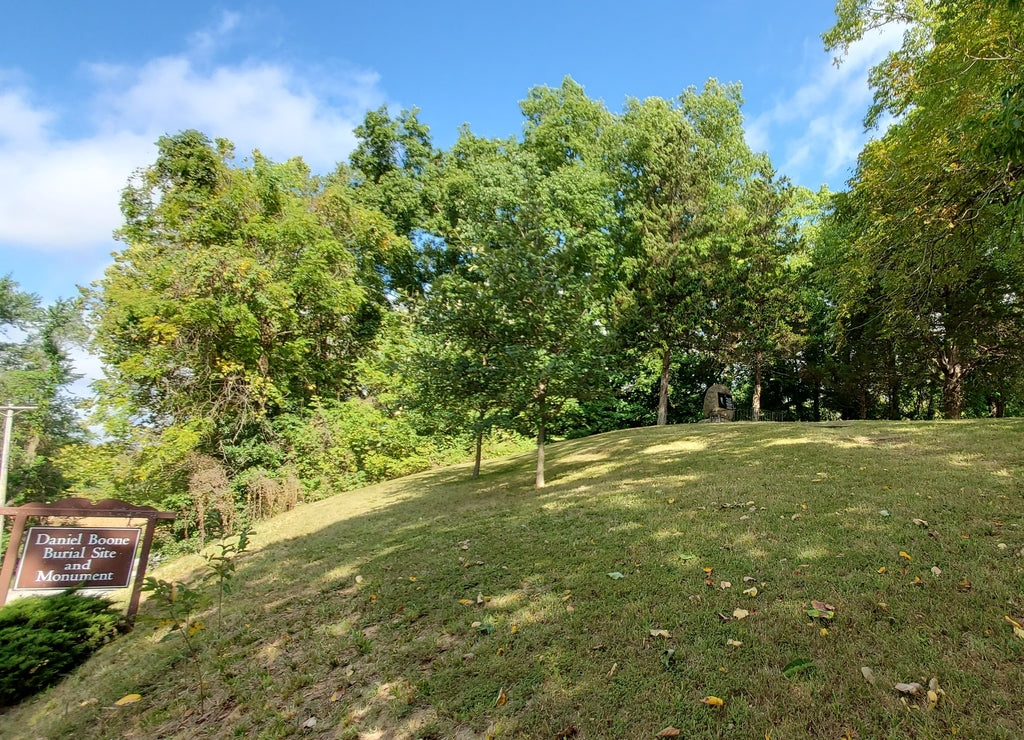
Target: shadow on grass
column 440, row 606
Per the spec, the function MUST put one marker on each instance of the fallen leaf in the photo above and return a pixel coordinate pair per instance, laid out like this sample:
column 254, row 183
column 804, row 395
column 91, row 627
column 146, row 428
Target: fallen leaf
column 725, row 585
column 669, row 731
column 740, row 613
column 502, row 699
column 309, row 724
column 749, row 579
column 709, row 570
column 567, row 732
column 466, row 602
column 905, row 555
column 128, row 699
column 803, row 506
column 869, row 675
column 671, row 500
column 359, row 579
column 797, row 666
column 570, row 608
column 920, row 522
column 914, row 689
column 734, row 643
column 823, row 632
column 752, row 591
column 712, row 701
column 660, row 633
column 882, row 569
column 611, row 672
column 515, row 629
column 1018, row 630
column 338, row 693
column 616, row 575
column 884, row 512
column 412, row 579
column 936, row 571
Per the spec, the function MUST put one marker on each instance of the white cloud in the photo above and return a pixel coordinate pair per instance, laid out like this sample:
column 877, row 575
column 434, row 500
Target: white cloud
column 819, row 127
column 61, row 192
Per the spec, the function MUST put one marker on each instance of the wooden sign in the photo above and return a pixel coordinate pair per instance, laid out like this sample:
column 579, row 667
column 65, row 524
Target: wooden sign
column 83, row 557
column 87, row 557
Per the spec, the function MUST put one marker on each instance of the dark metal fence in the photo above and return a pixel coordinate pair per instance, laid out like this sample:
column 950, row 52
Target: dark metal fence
column 749, row 415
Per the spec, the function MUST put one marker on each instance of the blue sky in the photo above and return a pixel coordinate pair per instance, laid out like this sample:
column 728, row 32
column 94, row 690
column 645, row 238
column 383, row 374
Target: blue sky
column 86, row 88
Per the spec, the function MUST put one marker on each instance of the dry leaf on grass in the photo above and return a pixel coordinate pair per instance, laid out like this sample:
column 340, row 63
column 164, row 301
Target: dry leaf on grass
column 914, row 689
column 1018, row 630
column 669, row 731
column 869, row 675
column 660, row 633
column 752, row 591
column 740, row 613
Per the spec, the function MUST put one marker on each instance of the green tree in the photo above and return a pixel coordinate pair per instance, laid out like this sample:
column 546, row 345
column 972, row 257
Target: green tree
column 242, row 292
column 36, row 370
column 522, row 317
column 935, row 206
column 680, row 164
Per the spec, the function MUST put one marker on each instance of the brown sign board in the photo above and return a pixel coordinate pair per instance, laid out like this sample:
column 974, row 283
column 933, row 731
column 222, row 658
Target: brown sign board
column 77, row 557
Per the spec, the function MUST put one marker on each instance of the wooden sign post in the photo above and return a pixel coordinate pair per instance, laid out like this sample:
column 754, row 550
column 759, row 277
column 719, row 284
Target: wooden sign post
column 82, row 557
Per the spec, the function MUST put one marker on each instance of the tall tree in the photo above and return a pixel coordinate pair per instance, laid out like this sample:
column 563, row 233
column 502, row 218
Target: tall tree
column 762, row 307
column 241, row 292
column 681, row 163
column 936, row 203
column 524, row 311
column 36, row 370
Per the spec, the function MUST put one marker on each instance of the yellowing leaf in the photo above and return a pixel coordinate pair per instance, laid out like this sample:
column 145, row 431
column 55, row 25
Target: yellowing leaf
column 340, row 692
column 515, row 629
column 709, row 570
column 905, row 555
column 128, row 699
column 882, row 569
column 466, row 602
column 752, row 591
column 1018, row 630
column 502, row 699
column 412, row 579
column 740, row 613
column 734, row 643
column 712, row 701
column 671, row 500
column 660, row 633
column 823, row 632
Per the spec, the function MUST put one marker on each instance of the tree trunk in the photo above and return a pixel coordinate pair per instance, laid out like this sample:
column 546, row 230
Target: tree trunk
column 953, row 373
column 817, row 401
column 952, row 395
column 540, row 439
column 996, row 406
column 479, row 452
column 755, row 401
column 666, row 367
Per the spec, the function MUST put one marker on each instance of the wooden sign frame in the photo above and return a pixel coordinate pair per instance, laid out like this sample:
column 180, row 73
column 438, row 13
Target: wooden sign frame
column 81, row 507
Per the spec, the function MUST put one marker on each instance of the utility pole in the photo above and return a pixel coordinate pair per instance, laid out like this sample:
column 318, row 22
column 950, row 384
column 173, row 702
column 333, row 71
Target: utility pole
column 6, row 456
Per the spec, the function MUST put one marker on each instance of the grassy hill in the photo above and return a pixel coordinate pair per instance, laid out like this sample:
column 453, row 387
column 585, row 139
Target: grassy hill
column 660, row 567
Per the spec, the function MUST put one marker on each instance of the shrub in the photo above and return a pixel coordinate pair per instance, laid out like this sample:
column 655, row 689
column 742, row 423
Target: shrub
column 43, row 638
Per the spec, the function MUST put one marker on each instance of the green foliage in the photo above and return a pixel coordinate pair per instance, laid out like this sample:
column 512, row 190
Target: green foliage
column 35, row 370
column 43, row 638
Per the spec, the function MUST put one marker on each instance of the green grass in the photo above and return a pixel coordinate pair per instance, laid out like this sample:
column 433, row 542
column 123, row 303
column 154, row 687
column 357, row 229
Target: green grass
column 797, row 508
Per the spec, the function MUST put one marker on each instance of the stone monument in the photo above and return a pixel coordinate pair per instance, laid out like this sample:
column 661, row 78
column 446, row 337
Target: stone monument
column 718, row 405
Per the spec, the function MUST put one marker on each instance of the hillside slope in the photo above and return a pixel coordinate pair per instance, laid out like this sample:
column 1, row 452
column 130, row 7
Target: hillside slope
column 611, row 603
